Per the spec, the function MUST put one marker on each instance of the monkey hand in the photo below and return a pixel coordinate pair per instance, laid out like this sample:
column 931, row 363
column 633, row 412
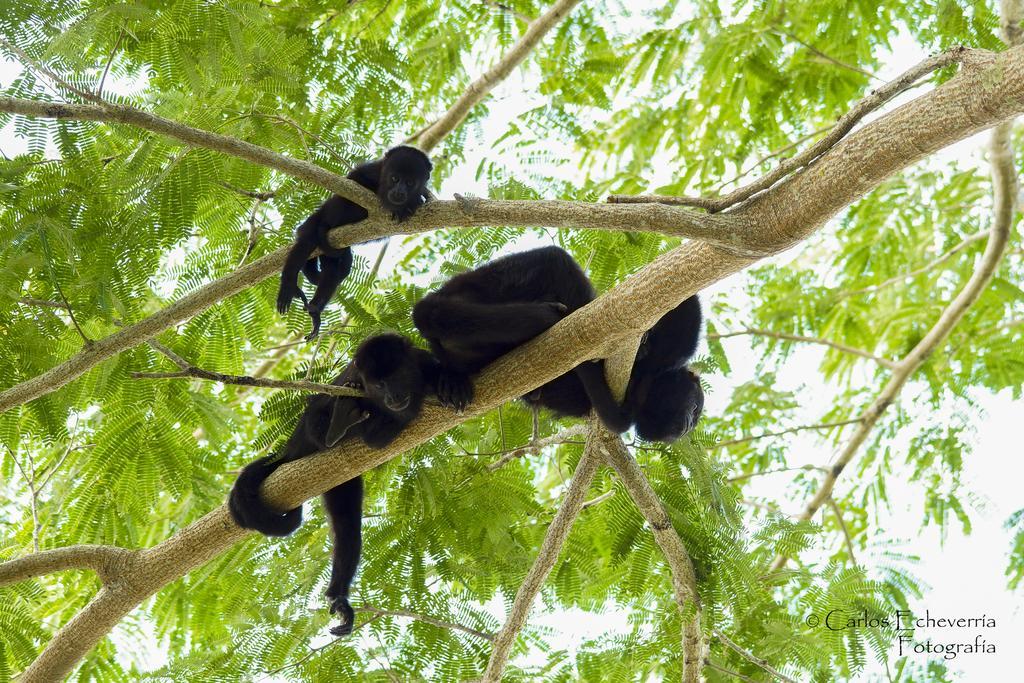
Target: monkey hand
column 286, row 293
column 339, row 605
column 454, row 390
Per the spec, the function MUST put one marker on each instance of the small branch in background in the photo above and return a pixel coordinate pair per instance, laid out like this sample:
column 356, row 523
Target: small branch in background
column 844, row 125
column 110, row 60
column 425, row 619
column 884, row 362
column 842, row 525
column 67, row 307
column 190, row 371
column 428, row 138
column 750, row 657
column 778, row 30
column 923, row 269
column 525, row 18
column 47, row 72
column 772, row 155
column 758, row 505
column 262, row 196
column 564, row 436
column 29, row 475
column 550, row 548
column 805, row 468
column 734, row 675
column 46, row 303
column 598, row 500
column 824, row 425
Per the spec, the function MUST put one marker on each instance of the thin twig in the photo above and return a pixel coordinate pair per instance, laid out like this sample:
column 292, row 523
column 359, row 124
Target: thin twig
column 844, row 125
column 598, row 499
column 564, row 436
column 428, row 138
column 751, row 657
column 751, row 475
column 110, row 60
column 884, row 362
column 778, row 152
column 846, row 531
column 923, row 269
column 46, row 71
column 823, row 425
column 425, row 619
column 736, row 675
column 186, row 369
column 827, row 57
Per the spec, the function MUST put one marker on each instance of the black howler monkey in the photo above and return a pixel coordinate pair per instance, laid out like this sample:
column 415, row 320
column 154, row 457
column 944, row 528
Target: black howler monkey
column 400, row 182
column 395, row 377
column 482, row 314
column 664, row 396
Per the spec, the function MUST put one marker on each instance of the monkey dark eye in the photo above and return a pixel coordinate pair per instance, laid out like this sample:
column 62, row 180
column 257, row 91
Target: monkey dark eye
column 394, row 179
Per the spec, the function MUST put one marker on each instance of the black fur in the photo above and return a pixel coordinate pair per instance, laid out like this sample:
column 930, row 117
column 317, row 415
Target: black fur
column 400, row 182
column 395, row 377
column 664, row 396
column 480, row 315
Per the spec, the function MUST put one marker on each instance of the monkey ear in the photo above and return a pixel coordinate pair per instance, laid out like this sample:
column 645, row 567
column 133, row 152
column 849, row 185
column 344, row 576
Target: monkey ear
column 342, row 419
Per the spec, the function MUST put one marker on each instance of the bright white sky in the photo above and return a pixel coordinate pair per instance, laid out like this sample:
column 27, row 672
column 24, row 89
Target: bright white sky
column 965, row 573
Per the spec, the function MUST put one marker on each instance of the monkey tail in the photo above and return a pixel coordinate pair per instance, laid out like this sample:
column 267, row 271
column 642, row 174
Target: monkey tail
column 247, row 506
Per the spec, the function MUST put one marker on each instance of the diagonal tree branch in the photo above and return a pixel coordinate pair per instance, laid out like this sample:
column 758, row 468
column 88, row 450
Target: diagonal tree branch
column 554, row 539
column 884, row 362
column 428, row 138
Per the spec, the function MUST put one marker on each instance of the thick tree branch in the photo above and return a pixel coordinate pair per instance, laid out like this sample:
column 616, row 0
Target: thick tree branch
column 1004, row 181
column 684, row 579
column 977, row 98
column 873, row 101
column 554, row 539
column 109, row 563
column 428, row 138
column 884, row 362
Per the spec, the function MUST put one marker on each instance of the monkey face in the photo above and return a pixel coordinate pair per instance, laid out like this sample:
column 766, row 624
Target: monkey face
column 403, row 181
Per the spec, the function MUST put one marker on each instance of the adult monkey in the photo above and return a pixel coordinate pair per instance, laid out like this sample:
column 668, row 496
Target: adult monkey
column 395, row 378
column 482, row 314
column 399, row 180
